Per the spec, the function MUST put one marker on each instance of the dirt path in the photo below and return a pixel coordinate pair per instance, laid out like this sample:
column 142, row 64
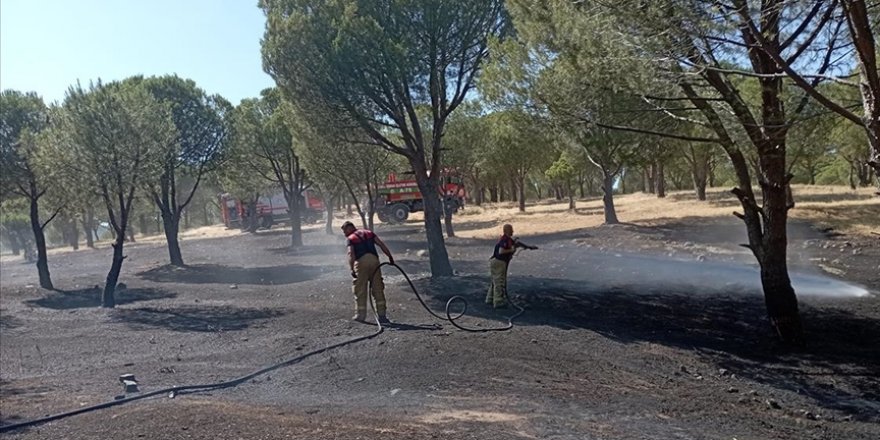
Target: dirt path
column 630, row 332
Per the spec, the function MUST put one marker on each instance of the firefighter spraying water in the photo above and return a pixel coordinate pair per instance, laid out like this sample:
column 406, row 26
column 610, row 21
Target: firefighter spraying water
column 505, row 248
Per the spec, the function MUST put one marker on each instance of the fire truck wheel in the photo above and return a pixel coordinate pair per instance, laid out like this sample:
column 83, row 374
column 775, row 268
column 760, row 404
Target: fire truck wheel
column 399, row 213
column 382, row 216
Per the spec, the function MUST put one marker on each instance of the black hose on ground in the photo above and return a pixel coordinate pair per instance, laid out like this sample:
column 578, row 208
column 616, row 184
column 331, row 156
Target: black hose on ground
column 455, row 299
column 181, row 389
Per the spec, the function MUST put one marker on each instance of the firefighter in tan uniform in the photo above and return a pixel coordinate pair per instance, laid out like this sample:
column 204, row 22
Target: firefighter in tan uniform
column 504, row 250
column 363, row 260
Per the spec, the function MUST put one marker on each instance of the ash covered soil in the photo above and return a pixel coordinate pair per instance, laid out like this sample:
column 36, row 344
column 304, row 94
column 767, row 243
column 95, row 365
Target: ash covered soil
column 629, row 332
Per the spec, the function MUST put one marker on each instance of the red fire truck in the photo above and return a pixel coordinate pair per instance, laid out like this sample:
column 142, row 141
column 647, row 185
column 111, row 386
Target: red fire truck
column 268, row 210
column 398, row 198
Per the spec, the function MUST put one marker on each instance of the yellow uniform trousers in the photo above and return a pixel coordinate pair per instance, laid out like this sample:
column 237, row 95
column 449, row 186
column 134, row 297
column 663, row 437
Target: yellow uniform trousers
column 497, row 294
column 363, row 268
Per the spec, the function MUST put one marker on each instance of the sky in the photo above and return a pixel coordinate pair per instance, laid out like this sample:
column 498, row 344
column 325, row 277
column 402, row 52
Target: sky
column 47, row 45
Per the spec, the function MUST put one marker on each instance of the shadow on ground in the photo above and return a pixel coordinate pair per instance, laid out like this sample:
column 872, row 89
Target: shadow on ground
column 723, row 198
column 213, row 273
column 724, row 230
column 8, row 322
column 193, row 319
column 839, row 369
column 91, row 297
column 10, row 390
column 308, row 250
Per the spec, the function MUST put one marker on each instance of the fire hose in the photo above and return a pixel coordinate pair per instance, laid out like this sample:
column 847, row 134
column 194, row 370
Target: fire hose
column 173, row 391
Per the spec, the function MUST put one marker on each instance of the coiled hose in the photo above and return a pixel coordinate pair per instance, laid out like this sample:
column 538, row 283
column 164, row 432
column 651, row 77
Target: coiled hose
column 181, row 389
column 455, row 299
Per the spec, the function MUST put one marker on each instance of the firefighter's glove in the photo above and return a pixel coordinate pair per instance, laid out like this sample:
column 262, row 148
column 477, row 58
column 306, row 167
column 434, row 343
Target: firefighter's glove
column 354, row 274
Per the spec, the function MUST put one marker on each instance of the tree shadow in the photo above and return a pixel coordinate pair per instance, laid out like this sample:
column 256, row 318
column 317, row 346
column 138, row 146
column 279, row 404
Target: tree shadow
column 725, row 230
column 839, row 368
column 309, row 250
column 581, row 211
column 467, row 225
column 214, row 273
column 829, row 197
column 91, row 297
column 410, row 327
column 7, row 389
column 848, row 216
column 10, row 391
column 422, row 267
column 192, row 319
column 725, row 198
column 274, row 232
column 8, row 322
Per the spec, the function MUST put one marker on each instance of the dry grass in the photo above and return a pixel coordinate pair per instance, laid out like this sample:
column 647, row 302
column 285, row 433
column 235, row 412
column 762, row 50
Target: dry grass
column 838, row 207
column 853, row 212
column 214, row 231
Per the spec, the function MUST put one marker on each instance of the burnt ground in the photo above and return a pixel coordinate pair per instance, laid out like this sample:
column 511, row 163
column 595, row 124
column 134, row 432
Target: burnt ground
column 630, row 332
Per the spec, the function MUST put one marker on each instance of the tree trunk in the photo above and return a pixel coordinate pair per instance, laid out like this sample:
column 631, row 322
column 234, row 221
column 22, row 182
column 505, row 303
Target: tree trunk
column 608, row 199
column 142, row 224
column 39, row 239
column 15, row 243
column 74, row 234
column 521, row 187
column 513, row 190
column 89, row 227
column 205, row 220
column 852, row 182
column 328, row 224
column 131, row 235
column 699, row 174
column 293, row 211
column 172, row 237
column 447, row 219
column 782, row 304
column 660, row 179
column 108, row 299
column 700, row 188
column 249, row 220
column 859, row 22
column 863, row 173
column 363, row 215
column 428, row 186
column 493, row 193
column 571, row 204
column 372, row 201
